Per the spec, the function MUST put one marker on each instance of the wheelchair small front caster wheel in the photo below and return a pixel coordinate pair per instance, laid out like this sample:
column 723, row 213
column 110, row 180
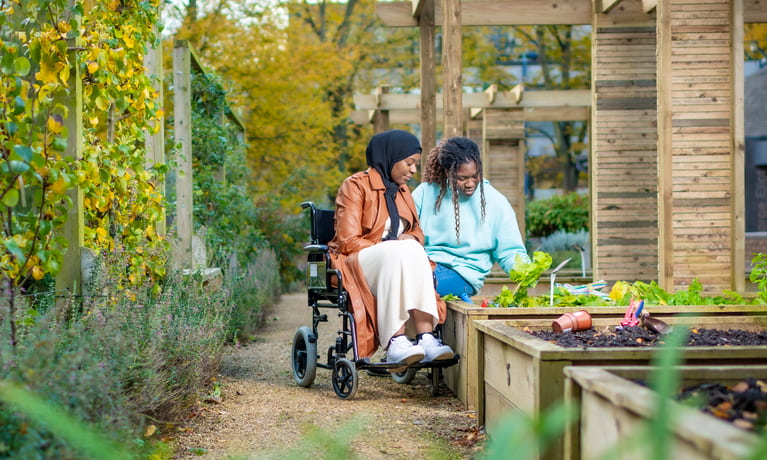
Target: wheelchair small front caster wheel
column 304, row 357
column 404, row 377
column 345, row 378
column 436, row 374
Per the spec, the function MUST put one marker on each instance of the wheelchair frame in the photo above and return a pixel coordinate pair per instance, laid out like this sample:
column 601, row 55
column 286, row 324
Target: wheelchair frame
column 325, row 290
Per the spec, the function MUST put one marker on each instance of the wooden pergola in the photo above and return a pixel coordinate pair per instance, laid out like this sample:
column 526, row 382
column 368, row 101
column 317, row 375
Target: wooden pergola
column 666, row 112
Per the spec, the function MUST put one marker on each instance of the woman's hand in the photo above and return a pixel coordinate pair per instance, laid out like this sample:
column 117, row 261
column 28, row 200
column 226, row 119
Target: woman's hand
column 407, row 236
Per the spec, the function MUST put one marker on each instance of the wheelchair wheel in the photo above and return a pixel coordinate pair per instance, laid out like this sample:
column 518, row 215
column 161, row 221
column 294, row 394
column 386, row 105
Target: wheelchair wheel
column 404, row 377
column 345, row 378
column 304, row 357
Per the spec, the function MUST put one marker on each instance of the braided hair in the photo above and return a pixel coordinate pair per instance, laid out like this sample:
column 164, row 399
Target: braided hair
column 440, row 168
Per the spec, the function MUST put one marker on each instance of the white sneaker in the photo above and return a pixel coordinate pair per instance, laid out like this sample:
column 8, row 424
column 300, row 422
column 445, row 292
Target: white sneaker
column 434, row 348
column 401, row 350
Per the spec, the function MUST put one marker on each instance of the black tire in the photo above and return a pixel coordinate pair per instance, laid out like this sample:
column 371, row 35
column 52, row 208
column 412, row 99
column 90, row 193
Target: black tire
column 304, row 357
column 436, row 374
column 404, row 377
column 345, row 378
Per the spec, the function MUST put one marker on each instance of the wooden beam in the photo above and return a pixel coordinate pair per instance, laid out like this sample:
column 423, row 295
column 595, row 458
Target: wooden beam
column 412, row 116
column 607, row 5
column 754, row 11
column 502, row 99
column 527, row 12
column 648, row 6
column 494, row 13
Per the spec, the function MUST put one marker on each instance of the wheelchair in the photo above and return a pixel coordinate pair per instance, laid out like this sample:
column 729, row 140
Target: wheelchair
column 326, row 291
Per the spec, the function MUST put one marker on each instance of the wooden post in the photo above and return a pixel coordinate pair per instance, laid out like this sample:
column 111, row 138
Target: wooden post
column 428, row 79
column 182, row 115
column 155, row 142
column 665, row 157
column 71, row 275
column 381, row 117
column 451, row 68
column 738, row 138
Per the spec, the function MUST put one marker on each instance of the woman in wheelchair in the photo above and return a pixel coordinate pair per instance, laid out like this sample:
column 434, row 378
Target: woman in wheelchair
column 378, row 247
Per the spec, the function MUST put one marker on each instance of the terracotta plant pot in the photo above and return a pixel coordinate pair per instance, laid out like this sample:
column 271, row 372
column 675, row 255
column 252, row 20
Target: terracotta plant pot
column 575, row 321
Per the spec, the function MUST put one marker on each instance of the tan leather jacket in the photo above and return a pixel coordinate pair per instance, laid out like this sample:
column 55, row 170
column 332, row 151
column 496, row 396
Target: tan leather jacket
column 360, row 220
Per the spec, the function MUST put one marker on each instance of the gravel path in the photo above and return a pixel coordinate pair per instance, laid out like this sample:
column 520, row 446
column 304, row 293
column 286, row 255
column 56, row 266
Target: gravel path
column 264, row 414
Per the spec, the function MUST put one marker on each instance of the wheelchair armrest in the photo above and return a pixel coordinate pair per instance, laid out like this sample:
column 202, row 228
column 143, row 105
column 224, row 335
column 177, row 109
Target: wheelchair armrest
column 316, row 248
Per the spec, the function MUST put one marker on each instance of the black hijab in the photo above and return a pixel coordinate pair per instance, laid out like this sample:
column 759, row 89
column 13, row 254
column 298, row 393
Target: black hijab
column 384, row 150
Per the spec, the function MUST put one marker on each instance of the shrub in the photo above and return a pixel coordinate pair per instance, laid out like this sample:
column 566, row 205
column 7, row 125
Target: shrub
column 253, row 288
column 568, row 212
column 111, row 361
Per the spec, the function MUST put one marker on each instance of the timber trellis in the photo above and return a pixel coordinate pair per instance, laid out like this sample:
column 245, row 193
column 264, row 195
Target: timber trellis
column 666, row 123
column 188, row 250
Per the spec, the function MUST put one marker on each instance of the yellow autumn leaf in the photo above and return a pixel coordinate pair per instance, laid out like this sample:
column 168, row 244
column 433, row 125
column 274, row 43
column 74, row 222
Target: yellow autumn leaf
column 150, row 430
column 60, row 186
column 93, row 66
column 94, row 121
column 37, row 273
column 101, row 232
column 129, row 42
column 619, row 290
column 47, row 73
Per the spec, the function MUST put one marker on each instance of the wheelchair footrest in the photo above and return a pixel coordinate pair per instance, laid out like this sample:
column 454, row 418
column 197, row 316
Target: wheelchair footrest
column 383, row 365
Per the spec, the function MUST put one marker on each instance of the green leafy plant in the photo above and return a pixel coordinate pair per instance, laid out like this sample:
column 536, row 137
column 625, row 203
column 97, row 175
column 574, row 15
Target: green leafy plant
column 525, row 275
column 759, row 274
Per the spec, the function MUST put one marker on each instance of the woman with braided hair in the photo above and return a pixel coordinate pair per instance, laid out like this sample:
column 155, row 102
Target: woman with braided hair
column 467, row 223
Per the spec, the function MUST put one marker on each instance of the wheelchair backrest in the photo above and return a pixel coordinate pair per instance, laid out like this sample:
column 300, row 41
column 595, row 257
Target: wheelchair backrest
column 322, row 223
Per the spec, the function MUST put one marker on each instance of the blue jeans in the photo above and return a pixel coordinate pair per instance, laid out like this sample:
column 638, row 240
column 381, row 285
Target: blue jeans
column 450, row 282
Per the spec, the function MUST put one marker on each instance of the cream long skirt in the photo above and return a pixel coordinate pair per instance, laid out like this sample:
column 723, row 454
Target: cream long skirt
column 399, row 275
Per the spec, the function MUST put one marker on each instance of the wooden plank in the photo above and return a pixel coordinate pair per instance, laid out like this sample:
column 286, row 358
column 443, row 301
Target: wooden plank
column 608, row 5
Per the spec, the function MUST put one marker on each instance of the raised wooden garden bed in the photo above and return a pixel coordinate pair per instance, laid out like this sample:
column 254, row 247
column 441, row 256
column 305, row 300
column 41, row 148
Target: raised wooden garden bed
column 460, row 333
column 614, row 410
column 520, row 371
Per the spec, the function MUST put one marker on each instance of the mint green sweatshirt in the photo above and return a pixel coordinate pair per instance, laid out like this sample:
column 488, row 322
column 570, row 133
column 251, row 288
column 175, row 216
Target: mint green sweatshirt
column 482, row 243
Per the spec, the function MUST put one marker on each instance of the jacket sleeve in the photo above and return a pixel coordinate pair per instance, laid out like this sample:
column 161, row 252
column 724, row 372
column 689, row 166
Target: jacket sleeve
column 349, row 218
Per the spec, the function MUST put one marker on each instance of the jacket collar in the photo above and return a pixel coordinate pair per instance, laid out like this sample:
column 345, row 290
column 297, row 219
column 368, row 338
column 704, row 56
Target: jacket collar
column 376, row 181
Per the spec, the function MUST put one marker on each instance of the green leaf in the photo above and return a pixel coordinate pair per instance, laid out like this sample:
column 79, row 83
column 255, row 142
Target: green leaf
column 22, row 66
column 14, row 249
column 11, row 197
column 24, row 152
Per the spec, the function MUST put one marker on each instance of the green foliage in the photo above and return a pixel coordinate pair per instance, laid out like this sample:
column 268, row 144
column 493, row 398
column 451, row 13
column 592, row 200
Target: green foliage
column 35, row 172
column 110, row 362
column 524, row 274
column 759, row 274
column 253, row 287
column 568, row 212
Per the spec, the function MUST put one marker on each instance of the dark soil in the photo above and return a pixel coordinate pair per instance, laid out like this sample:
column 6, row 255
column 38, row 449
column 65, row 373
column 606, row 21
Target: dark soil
column 637, row 336
column 743, row 404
